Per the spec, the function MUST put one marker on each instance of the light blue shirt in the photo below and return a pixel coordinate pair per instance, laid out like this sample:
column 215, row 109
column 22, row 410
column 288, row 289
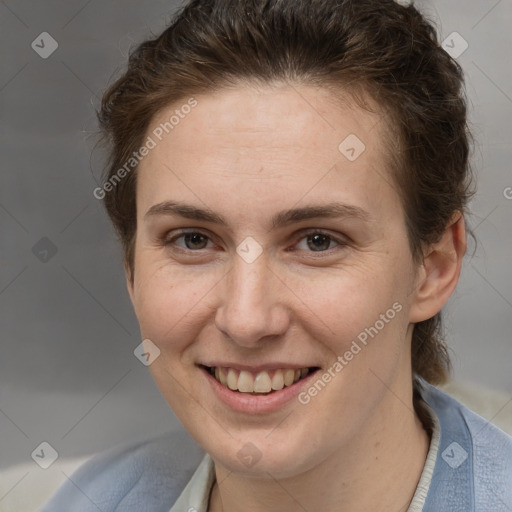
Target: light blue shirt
column 472, row 470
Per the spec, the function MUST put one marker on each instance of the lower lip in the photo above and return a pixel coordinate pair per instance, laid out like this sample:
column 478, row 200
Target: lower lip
column 256, row 404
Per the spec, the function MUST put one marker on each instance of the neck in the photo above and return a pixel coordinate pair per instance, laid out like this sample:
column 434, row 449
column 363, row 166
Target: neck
column 378, row 470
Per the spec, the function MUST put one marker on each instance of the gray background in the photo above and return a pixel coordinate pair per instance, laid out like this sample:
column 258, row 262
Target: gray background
column 67, row 370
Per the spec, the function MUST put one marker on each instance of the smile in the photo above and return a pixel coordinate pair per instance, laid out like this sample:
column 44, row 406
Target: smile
column 262, row 382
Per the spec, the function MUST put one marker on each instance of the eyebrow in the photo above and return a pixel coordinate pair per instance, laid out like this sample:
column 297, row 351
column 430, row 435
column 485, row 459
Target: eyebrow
column 281, row 219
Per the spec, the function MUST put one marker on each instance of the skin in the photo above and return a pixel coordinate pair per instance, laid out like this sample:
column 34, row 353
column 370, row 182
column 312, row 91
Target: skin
column 247, row 153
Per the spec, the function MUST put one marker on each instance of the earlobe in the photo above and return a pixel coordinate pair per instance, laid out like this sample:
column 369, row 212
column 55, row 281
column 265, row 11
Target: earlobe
column 440, row 271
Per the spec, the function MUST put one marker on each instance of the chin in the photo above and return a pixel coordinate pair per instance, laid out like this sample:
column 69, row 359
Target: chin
column 260, row 454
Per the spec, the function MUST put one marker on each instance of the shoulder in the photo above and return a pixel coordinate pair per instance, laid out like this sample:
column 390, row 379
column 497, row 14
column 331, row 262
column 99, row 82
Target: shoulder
column 146, row 476
column 474, row 463
column 492, row 462
column 456, row 418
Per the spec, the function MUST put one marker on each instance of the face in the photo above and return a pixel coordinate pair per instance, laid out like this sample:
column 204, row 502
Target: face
column 267, row 249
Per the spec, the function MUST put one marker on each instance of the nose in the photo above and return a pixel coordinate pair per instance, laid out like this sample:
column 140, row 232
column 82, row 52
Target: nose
column 251, row 306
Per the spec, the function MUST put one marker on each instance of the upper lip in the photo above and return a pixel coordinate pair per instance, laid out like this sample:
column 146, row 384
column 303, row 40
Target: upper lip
column 258, row 368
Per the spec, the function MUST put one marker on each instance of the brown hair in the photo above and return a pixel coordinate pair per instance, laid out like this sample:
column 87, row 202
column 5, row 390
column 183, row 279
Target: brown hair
column 388, row 50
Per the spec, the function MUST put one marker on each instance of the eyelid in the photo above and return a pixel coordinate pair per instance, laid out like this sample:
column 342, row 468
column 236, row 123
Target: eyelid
column 167, row 239
column 341, row 240
column 318, row 231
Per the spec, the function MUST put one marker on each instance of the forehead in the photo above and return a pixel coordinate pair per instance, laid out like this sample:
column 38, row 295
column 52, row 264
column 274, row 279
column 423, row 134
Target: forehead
column 254, row 143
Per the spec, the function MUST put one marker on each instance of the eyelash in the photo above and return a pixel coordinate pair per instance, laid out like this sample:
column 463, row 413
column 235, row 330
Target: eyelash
column 168, row 242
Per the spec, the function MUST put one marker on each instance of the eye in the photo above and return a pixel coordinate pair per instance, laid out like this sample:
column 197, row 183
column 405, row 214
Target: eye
column 195, row 241
column 317, row 241
column 191, row 240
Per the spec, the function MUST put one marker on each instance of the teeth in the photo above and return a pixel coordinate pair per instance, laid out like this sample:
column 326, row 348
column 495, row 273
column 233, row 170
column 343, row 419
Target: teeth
column 223, row 379
column 232, row 380
column 289, row 377
column 278, row 380
column 262, row 383
column 244, row 381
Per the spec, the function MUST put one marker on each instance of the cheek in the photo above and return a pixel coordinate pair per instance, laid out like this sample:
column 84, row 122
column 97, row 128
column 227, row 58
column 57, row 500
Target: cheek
column 361, row 320
column 367, row 316
column 337, row 306
column 167, row 303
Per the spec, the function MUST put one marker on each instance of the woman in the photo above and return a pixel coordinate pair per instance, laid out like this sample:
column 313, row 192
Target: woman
column 289, row 181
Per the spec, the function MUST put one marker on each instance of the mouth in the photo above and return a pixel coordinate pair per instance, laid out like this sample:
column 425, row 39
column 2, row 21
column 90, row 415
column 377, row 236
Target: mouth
column 263, row 382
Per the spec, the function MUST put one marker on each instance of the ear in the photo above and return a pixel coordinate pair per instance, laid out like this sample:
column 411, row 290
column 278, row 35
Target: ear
column 129, row 280
column 439, row 273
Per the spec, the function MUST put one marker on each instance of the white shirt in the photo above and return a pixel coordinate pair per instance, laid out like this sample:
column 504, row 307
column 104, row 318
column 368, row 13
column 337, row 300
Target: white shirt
column 195, row 496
